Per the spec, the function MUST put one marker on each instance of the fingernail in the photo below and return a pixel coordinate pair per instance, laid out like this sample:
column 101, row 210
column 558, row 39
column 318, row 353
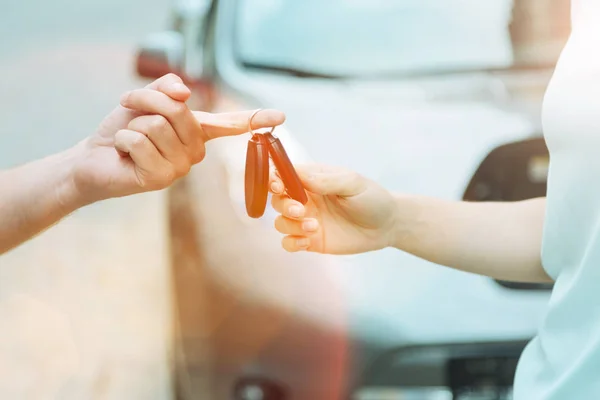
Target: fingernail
column 310, row 225
column 303, row 243
column 295, row 211
column 277, row 187
column 179, row 87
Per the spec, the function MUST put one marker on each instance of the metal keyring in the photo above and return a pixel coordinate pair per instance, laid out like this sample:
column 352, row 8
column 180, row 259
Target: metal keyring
column 250, row 122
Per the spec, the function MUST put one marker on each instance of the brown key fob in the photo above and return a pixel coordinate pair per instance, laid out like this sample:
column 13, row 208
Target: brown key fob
column 257, row 176
column 287, row 172
column 260, row 146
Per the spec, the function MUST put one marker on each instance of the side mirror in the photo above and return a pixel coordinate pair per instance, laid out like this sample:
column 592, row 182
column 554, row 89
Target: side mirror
column 160, row 54
column 180, row 50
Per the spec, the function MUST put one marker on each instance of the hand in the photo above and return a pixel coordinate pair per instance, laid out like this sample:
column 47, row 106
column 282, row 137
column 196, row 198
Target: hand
column 345, row 214
column 152, row 139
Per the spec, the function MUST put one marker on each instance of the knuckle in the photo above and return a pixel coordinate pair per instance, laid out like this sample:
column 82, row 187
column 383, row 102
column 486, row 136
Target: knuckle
column 138, row 141
column 158, row 123
column 179, row 109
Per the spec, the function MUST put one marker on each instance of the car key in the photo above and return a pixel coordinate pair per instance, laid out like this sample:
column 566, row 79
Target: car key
column 287, row 172
column 260, row 147
column 257, row 176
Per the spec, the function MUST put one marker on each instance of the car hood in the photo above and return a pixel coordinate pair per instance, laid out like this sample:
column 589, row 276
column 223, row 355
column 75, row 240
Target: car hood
column 421, row 137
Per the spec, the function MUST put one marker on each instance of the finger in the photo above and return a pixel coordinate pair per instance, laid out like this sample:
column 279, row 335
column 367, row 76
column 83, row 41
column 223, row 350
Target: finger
column 288, row 207
column 275, row 183
column 121, row 116
column 295, row 243
column 177, row 113
column 165, row 79
column 236, row 123
column 326, row 180
column 176, row 91
column 305, row 227
column 277, row 202
column 160, row 132
column 141, row 150
column 173, row 86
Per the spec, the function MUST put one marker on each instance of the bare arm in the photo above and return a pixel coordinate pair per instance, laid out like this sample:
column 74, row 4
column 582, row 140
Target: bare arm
column 148, row 142
column 34, row 197
column 499, row 240
column 350, row 214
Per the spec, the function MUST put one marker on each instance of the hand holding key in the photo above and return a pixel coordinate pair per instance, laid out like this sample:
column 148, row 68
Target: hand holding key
column 345, row 212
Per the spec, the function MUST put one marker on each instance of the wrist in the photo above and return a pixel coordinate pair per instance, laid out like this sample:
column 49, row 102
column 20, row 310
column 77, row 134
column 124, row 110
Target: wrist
column 405, row 216
column 69, row 195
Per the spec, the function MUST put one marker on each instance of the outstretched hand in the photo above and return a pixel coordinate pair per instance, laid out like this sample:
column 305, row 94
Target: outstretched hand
column 345, row 214
column 152, row 138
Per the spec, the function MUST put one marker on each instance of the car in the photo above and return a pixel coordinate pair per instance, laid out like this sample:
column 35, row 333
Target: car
column 438, row 98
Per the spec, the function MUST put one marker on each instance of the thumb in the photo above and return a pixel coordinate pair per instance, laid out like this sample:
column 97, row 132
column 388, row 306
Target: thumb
column 324, row 180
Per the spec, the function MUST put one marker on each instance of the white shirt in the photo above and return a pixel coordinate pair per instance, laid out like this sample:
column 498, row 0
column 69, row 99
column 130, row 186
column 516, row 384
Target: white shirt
column 563, row 361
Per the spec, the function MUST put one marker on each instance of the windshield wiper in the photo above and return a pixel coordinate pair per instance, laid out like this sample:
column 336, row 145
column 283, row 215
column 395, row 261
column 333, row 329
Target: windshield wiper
column 299, row 73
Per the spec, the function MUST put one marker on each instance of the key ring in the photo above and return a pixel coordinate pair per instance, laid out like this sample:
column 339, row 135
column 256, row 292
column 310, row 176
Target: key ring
column 250, row 123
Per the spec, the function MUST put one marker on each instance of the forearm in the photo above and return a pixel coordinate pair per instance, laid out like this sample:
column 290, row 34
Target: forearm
column 500, row 240
column 34, row 197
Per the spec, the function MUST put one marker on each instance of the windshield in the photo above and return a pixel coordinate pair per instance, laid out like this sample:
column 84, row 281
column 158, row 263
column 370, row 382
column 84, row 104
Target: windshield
column 378, row 37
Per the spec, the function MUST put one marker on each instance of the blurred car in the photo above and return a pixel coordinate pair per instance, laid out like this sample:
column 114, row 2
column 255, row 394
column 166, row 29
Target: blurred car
column 431, row 97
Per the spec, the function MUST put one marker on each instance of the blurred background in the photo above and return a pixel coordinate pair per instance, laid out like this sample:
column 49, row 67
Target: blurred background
column 178, row 294
column 84, row 307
